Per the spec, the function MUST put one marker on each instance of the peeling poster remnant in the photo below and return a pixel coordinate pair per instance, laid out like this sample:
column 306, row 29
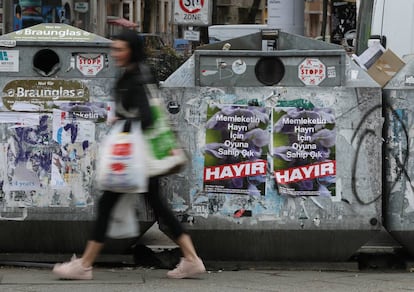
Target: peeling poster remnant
column 41, row 171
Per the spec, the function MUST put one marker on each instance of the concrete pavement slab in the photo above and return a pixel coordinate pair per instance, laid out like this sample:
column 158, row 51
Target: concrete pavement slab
column 17, row 279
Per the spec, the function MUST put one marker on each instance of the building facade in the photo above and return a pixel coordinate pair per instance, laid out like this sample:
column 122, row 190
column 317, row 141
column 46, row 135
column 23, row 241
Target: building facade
column 90, row 15
column 106, row 17
column 93, row 15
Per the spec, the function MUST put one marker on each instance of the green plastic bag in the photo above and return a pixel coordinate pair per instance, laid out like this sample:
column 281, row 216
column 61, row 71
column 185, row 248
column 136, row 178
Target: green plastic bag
column 167, row 154
column 160, row 137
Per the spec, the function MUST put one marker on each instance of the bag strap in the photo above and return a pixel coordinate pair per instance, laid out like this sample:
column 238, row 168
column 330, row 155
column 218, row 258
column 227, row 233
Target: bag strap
column 151, row 90
column 128, row 114
column 127, row 126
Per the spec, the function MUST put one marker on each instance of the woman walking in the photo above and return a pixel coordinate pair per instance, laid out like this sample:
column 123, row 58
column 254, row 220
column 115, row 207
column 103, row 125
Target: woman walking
column 131, row 101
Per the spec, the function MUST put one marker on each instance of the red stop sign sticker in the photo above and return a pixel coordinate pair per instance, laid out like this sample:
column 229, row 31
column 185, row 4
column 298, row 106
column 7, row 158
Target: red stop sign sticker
column 191, row 6
column 312, row 71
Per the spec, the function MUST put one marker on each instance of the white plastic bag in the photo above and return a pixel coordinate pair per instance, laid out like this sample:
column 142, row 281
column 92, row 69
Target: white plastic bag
column 165, row 154
column 123, row 222
column 121, row 163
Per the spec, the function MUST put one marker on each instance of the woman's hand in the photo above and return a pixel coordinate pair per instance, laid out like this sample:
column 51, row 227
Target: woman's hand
column 112, row 120
column 177, row 151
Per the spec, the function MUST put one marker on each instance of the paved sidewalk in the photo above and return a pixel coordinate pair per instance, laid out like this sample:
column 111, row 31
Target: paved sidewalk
column 18, row 279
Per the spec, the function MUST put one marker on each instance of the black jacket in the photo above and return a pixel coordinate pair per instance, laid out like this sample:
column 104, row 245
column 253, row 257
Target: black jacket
column 131, row 99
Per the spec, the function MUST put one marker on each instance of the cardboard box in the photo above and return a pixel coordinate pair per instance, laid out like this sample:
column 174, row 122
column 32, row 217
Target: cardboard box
column 385, row 67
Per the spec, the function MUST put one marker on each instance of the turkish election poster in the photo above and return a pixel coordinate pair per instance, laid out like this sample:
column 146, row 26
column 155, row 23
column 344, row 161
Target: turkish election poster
column 237, row 141
column 303, row 150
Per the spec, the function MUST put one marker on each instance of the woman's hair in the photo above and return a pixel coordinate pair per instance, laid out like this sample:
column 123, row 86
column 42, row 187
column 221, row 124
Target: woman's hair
column 135, row 43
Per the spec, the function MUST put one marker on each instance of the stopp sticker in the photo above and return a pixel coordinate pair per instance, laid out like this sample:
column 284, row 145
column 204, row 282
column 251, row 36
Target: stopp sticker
column 312, row 71
column 90, row 64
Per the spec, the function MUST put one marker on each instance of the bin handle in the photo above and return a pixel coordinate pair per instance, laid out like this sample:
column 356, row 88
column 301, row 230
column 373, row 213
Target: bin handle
column 23, row 217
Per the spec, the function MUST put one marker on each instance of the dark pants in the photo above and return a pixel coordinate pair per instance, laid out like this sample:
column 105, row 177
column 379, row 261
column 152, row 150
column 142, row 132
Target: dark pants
column 158, row 204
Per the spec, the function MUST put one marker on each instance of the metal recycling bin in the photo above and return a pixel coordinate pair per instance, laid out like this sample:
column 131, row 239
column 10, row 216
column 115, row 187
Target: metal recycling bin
column 56, row 85
column 398, row 162
column 285, row 139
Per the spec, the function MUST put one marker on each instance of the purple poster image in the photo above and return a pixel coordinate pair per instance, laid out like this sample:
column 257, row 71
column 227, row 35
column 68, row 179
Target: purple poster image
column 303, row 149
column 237, row 141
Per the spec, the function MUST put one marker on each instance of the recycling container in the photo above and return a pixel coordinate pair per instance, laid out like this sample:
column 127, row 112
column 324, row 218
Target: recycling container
column 398, row 159
column 284, row 134
column 56, row 85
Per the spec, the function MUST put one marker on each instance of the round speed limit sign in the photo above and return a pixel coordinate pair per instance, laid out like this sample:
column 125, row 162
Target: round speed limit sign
column 191, row 6
column 192, row 12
